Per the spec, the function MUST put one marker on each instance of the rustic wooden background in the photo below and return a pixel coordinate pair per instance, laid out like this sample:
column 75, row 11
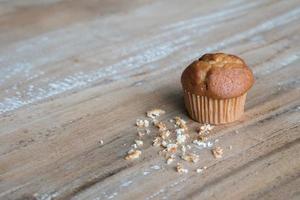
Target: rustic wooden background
column 73, row 73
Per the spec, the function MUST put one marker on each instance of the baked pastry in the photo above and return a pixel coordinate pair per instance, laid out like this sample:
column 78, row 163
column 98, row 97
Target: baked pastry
column 215, row 88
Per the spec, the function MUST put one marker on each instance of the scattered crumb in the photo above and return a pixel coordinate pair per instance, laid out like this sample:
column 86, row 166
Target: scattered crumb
column 101, row 142
column 157, row 141
column 217, row 152
column 183, row 149
column 199, row 170
column 172, row 148
column 139, row 143
column 180, row 136
column 191, row 157
column 181, row 123
column 175, row 143
column 141, row 134
column 155, row 113
column 156, row 167
column 133, row 154
column 164, row 143
column 181, row 169
column 205, row 128
column 163, row 153
column 170, row 159
column 236, row 131
column 203, row 137
column 164, row 134
column 209, row 144
column 161, row 126
column 200, row 143
column 142, row 123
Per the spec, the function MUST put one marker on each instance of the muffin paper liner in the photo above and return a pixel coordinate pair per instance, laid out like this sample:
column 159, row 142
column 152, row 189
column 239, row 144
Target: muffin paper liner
column 214, row 111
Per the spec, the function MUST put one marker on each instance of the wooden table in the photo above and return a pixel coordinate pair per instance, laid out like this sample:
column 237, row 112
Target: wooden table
column 73, row 73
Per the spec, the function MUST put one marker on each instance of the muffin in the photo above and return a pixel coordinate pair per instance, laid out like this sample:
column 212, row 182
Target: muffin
column 215, row 88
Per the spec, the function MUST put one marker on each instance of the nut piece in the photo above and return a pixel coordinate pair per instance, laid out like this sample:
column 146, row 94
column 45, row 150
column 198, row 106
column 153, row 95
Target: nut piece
column 217, row 152
column 133, row 154
column 155, row 113
column 181, row 169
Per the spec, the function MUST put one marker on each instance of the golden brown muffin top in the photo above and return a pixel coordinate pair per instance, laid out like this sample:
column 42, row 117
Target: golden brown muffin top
column 217, row 75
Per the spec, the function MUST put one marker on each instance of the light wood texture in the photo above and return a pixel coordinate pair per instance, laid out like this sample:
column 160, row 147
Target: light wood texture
column 73, row 73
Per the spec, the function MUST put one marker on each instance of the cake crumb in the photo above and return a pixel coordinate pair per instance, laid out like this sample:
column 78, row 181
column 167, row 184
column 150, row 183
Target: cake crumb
column 135, row 146
column 200, row 143
column 183, row 149
column 230, row 147
column 199, row 170
column 133, row 154
column 161, row 126
column 181, row 123
column 170, row 159
column 180, row 169
column 191, row 157
column 139, row 143
column 147, row 131
column 164, row 143
column 164, row 134
column 142, row 123
column 172, row 148
column 205, row 128
column 217, row 152
column 101, row 142
column 180, row 136
column 141, row 134
column 203, row 137
column 156, row 141
column 155, row 113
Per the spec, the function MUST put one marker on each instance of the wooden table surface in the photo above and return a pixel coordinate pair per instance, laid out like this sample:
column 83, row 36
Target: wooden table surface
column 73, row 73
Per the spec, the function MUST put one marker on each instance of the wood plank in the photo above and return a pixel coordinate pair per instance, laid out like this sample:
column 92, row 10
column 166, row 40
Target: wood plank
column 85, row 76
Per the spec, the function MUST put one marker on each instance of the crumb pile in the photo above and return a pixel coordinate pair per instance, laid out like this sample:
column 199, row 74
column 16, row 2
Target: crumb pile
column 174, row 140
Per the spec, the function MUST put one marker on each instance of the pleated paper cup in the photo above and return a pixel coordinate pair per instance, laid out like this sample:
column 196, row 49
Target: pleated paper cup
column 214, row 111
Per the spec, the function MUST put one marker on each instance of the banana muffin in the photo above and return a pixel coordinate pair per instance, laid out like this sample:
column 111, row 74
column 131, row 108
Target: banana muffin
column 215, row 88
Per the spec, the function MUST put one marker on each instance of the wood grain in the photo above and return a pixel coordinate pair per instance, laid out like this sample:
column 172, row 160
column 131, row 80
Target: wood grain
column 73, row 73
